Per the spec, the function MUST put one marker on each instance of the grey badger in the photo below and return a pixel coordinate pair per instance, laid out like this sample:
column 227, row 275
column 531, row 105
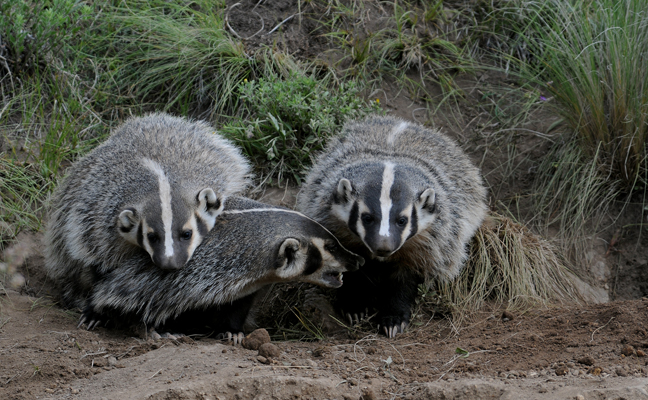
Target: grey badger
column 155, row 186
column 252, row 245
column 405, row 197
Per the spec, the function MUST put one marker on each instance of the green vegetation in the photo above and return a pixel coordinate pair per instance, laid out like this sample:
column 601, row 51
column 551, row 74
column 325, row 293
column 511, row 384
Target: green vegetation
column 287, row 120
column 590, row 59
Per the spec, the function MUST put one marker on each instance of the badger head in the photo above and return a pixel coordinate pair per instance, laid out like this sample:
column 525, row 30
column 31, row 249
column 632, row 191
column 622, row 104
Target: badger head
column 383, row 211
column 168, row 226
column 319, row 259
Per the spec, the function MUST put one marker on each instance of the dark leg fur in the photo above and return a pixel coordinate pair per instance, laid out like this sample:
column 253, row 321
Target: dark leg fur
column 381, row 286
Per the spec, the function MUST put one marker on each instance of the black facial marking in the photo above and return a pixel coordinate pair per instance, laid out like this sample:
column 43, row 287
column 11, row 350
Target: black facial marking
column 313, row 260
column 140, row 235
column 201, row 225
column 353, row 218
column 413, row 224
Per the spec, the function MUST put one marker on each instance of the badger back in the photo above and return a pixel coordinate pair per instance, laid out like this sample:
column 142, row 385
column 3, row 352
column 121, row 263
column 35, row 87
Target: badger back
column 252, row 245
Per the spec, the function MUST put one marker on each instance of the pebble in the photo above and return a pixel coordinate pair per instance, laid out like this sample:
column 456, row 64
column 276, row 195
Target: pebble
column 580, row 397
column 627, row 350
column 112, row 361
column 256, row 339
column 560, row 371
column 269, row 350
column 587, row 360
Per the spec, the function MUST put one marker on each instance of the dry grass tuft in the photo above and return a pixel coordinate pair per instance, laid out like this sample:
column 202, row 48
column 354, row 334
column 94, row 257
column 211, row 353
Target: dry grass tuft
column 509, row 265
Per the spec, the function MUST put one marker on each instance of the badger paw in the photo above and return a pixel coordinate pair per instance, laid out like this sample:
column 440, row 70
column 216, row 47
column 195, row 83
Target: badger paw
column 233, row 339
column 91, row 319
column 356, row 317
column 391, row 326
column 153, row 334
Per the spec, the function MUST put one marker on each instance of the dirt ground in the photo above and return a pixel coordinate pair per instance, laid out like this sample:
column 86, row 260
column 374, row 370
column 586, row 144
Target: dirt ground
column 587, row 351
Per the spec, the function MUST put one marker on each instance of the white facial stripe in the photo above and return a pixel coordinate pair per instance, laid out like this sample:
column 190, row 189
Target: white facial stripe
column 395, row 132
column 196, row 238
column 165, row 200
column 385, row 199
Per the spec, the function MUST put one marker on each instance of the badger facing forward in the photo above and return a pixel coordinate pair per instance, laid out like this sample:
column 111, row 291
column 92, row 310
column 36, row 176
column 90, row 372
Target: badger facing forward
column 155, row 186
column 252, row 245
column 405, row 197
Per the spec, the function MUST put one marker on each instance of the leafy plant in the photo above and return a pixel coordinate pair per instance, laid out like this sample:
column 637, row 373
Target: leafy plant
column 32, row 30
column 286, row 120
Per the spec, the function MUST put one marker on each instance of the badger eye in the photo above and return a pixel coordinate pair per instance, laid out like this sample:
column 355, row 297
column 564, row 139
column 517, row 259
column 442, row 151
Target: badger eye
column 152, row 237
column 186, row 235
column 402, row 221
column 367, row 218
column 329, row 247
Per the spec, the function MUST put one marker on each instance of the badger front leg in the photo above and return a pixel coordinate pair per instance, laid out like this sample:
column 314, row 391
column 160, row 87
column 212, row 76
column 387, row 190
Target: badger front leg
column 397, row 294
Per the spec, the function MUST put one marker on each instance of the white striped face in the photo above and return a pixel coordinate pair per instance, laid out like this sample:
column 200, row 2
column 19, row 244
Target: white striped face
column 166, row 225
column 386, row 213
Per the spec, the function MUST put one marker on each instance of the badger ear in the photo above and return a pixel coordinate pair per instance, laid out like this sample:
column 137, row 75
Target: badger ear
column 288, row 258
column 127, row 223
column 210, row 205
column 426, row 201
column 344, row 190
column 127, row 220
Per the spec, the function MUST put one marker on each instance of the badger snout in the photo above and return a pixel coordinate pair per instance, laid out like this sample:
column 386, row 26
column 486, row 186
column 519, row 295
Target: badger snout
column 169, row 263
column 384, row 247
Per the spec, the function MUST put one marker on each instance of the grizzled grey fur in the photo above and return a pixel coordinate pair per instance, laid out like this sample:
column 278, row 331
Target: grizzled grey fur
column 404, row 196
column 155, row 186
column 252, row 245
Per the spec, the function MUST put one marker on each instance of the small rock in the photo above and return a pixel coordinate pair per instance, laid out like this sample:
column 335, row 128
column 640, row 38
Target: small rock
column 352, row 381
column 560, row 371
column 367, row 394
column 627, row 350
column 112, row 361
column 641, row 353
column 262, row 359
column 254, row 340
column 587, row 360
column 571, row 365
column 74, row 391
column 595, row 371
column 507, row 316
column 580, row 397
column 311, row 363
column 621, row 372
column 269, row 350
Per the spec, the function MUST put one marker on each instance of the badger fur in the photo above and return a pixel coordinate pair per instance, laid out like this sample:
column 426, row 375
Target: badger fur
column 252, row 245
column 405, row 197
column 155, row 187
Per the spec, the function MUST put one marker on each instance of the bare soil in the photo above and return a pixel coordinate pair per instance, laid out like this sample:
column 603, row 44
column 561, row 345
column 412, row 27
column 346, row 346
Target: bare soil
column 596, row 351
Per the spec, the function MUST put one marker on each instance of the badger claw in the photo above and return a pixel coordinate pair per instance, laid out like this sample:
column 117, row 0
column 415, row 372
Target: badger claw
column 234, row 339
column 393, row 330
column 91, row 319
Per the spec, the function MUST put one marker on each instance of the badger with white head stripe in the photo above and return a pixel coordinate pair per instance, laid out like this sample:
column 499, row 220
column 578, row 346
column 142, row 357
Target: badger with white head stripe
column 252, row 245
column 405, row 197
column 156, row 185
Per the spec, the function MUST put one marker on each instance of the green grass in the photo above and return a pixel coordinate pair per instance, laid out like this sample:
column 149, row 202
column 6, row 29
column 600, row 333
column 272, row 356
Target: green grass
column 591, row 57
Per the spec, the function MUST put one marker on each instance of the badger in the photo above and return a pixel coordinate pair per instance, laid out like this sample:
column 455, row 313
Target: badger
column 405, row 197
column 252, row 245
column 155, row 186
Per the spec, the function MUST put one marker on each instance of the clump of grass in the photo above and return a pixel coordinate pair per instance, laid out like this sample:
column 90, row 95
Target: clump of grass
column 403, row 37
column 572, row 195
column 286, row 120
column 592, row 55
column 22, row 192
column 174, row 55
column 509, row 264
